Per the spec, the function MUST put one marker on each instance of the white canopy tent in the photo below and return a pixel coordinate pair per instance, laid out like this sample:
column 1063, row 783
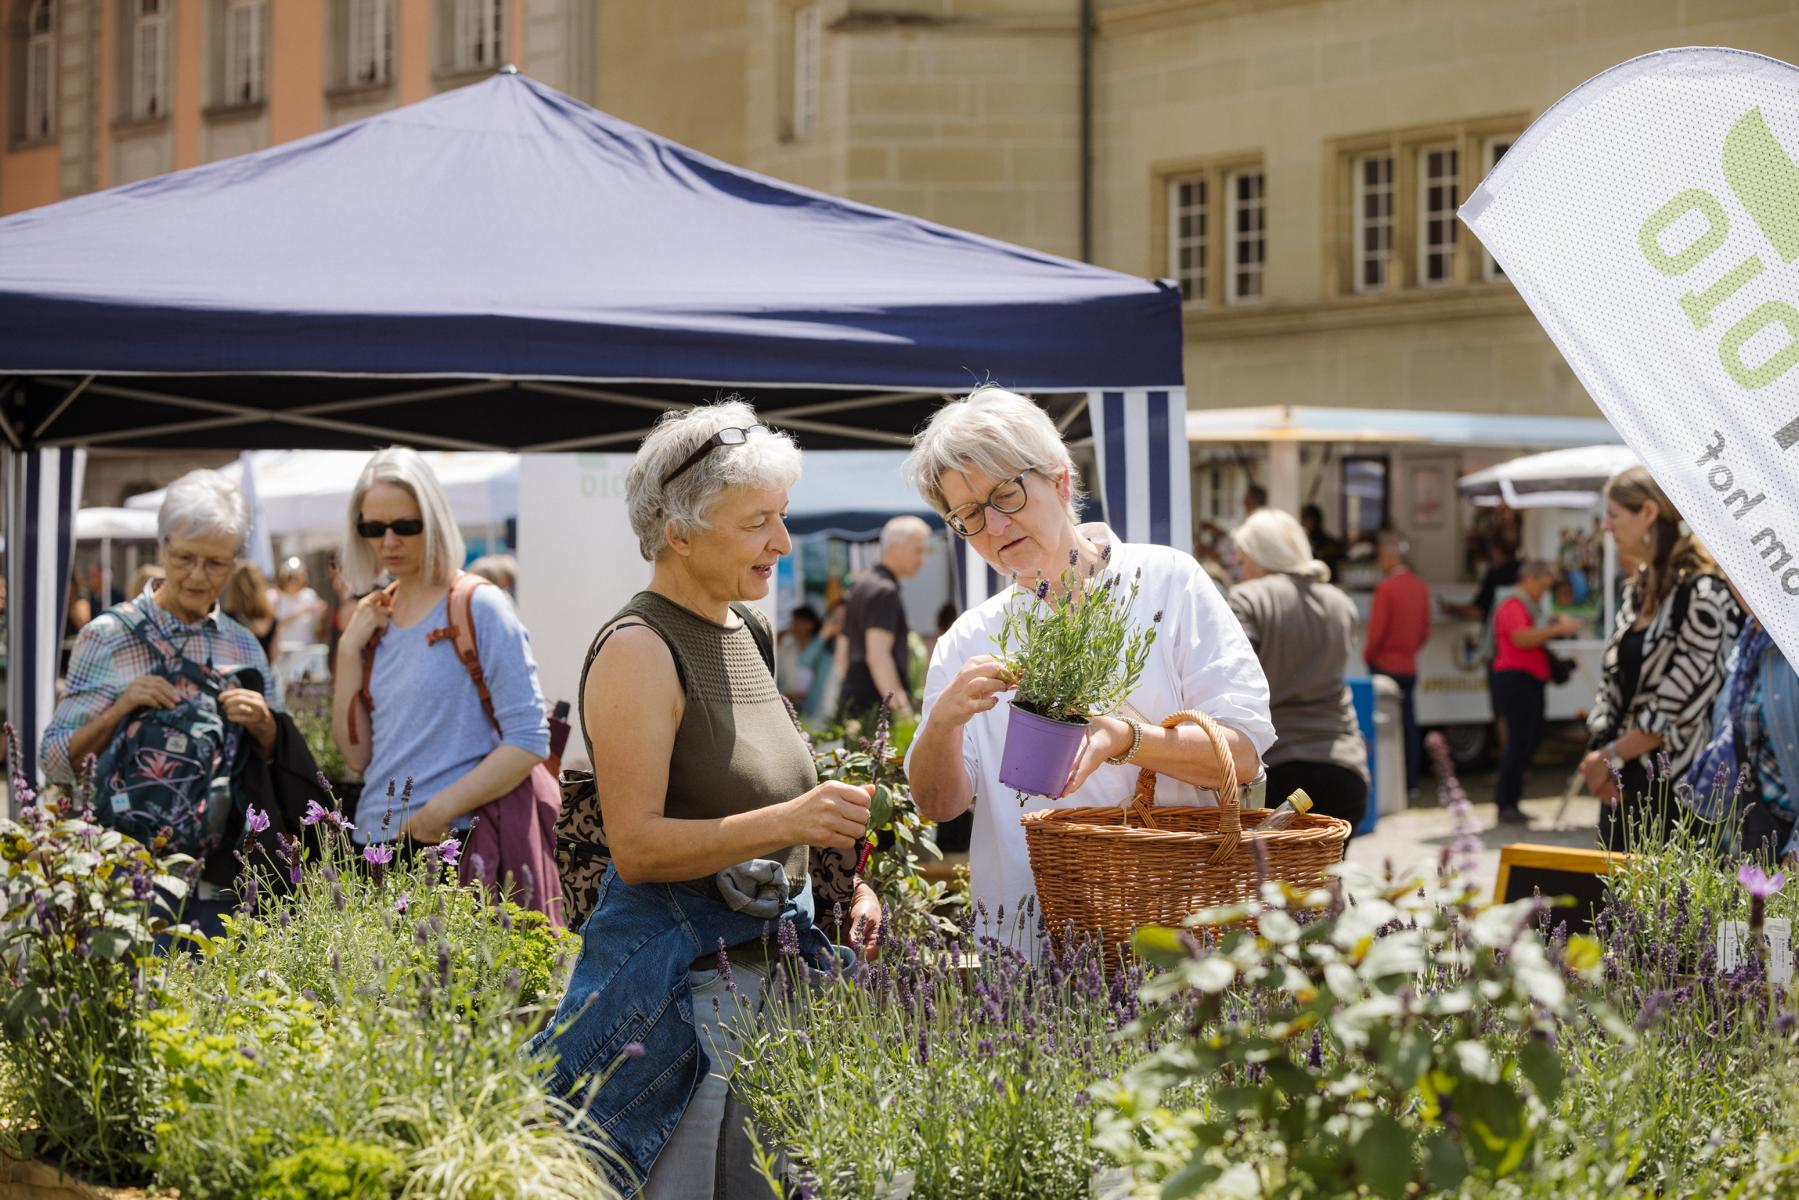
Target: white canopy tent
column 308, row 491
column 1567, row 478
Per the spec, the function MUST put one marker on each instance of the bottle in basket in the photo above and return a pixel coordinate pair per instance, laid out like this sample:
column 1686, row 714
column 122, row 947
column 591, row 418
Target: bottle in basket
column 1290, row 808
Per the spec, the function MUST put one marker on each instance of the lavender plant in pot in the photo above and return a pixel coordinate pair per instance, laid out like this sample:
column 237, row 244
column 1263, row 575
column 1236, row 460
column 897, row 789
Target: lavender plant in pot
column 1074, row 653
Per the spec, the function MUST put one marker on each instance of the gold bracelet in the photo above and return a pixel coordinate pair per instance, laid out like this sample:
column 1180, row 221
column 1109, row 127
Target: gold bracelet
column 1136, row 744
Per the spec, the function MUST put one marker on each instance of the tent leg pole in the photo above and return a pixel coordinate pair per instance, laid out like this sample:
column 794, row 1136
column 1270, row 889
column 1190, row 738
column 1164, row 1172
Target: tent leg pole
column 12, row 468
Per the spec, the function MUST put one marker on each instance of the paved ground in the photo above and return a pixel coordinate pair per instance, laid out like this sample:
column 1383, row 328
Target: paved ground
column 1424, row 829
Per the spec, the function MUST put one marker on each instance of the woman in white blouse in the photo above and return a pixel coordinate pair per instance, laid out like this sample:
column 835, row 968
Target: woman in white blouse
column 995, row 466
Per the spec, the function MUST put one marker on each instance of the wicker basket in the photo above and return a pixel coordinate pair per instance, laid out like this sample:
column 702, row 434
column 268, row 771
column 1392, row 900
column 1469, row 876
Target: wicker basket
column 1106, row 871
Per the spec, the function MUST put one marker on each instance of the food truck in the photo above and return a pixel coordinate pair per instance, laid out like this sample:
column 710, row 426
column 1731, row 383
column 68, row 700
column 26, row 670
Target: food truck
column 1452, row 483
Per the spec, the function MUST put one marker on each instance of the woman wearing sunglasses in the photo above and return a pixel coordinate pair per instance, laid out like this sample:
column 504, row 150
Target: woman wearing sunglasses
column 995, row 466
column 422, row 719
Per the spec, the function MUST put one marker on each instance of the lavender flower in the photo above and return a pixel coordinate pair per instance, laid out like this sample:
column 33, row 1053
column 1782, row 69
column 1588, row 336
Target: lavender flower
column 631, row 1050
column 315, row 812
column 256, row 821
column 1757, row 882
column 449, row 851
column 402, row 903
column 1043, row 589
column 378, row 853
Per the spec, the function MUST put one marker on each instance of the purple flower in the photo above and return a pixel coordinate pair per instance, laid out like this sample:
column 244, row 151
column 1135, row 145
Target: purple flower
column 403, row 903
column 448, row 851
column 1074, row 556
column 631, row 1049
column 315, row 812
column 342, row 822
column 1043, row 590
column 1757, row 883
column 378, row 853
column 1105, row 553
column 256, row 820
column 293, row 875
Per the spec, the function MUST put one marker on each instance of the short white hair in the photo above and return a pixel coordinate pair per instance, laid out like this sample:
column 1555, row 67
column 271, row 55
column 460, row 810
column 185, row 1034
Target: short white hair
column 903, row 529
column 997, row 432
column 200, row 504
column 444, row 548
column 765, row 460
column 1277, row 543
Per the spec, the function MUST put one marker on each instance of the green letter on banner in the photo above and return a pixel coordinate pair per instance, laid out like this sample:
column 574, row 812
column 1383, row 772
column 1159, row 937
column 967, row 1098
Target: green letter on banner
column 1766, row 179
column 1730, row 349
column 1691, row 200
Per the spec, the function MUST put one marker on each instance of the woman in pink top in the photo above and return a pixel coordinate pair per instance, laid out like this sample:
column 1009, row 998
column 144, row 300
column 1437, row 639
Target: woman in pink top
column 1520, row 675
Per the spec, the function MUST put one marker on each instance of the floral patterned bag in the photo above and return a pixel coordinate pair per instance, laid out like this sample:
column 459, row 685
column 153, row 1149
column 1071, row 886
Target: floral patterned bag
column 159, row 769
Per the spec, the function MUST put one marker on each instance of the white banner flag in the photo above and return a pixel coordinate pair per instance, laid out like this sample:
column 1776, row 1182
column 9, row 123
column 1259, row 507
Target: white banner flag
column 1651, row 220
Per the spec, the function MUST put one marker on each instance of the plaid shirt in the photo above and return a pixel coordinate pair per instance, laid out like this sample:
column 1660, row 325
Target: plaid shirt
column 108, row 656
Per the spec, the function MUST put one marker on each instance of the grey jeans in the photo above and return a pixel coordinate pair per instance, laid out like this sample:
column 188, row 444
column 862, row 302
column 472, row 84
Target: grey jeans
column 709, row 1156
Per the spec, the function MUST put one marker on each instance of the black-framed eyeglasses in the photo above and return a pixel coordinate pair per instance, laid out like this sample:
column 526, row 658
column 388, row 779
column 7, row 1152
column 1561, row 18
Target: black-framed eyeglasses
column 734, row 436
column 1006, row 498
column 405, row 527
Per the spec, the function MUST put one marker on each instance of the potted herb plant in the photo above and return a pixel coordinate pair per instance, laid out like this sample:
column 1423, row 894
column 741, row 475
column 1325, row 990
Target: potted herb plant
column 1073, row 654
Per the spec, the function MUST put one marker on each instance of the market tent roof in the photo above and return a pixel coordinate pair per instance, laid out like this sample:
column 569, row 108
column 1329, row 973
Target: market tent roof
column 115, row 524
column 502, row 267
column 1301, row 423
column 308, row 491
column 1567, row 478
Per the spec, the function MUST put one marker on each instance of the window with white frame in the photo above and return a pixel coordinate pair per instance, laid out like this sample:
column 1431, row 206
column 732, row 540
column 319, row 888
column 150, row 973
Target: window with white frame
column 368, row 49
column 1438, row 188
column 40, row 70
column 1373, row 199
column 150, row 58
column 806, row 54
column 479, row 28
column 1493, row 151
column 1187, row 216
column 1246, row 236
column 246, row 60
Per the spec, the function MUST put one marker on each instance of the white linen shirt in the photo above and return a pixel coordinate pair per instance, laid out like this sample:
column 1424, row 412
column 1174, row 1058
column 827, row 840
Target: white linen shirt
column 1200, row 660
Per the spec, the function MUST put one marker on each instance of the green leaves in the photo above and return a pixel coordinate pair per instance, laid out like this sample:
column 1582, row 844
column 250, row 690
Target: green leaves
column 1383, row 1155
column 1075, row 653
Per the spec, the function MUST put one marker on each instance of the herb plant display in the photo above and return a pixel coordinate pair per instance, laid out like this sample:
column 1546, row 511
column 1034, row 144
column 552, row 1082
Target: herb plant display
column 1074, row 653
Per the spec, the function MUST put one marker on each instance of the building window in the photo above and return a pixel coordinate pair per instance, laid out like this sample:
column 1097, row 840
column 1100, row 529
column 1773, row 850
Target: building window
column 149, row 51
column 806, row 54
column 1438, row 190
column 368, row 52
column 1187, row 237
column 478, row 34
column 40, row 71
column 1365, row 496
column 246, row 59
column 1246, row 245
column 1373, row 221
column 1492, row 152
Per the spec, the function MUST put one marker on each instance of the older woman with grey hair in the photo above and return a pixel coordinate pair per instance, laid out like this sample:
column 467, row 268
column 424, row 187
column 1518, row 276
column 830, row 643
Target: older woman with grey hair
column 1301, row 627
column 160, row 648
column 997, row 469
column 200, row 531
column 710, row 804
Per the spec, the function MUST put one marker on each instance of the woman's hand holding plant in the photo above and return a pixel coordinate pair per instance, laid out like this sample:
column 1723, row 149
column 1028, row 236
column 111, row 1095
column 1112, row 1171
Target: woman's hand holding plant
column 832, row 816
column 975, row 689
column 1107, row 737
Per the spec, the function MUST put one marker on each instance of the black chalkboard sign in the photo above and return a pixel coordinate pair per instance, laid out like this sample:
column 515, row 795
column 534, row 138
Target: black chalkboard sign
column 1526, row 869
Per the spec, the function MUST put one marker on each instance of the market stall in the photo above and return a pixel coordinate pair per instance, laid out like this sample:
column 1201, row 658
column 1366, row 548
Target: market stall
column 501, row 268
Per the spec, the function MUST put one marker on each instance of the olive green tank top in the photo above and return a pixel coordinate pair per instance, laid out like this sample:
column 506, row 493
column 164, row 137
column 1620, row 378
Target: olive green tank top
column 736, row 749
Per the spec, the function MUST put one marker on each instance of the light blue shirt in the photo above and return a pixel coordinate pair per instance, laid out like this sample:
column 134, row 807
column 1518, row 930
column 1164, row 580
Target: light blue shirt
column 427, row 720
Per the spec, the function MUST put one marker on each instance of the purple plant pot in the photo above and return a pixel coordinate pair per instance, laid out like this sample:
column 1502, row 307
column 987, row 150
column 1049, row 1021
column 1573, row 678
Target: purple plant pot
column 1039, row 752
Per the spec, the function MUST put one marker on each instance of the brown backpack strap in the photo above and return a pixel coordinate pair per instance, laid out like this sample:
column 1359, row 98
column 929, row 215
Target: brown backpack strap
column 363, row 696
column 460, row 633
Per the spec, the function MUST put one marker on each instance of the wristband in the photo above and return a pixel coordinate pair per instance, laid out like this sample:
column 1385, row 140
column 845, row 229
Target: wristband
column 1136, row 744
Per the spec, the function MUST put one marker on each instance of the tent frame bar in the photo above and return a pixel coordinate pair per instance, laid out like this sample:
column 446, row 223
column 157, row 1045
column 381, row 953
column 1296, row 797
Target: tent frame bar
column 58, row 411
column 307, row 416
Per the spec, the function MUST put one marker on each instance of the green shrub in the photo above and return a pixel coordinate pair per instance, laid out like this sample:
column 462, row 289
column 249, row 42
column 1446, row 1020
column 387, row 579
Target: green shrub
column 78, row 917
column 333, row 1169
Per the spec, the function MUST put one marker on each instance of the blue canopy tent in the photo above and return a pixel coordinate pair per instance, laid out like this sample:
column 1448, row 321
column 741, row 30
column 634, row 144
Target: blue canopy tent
column 502, row 267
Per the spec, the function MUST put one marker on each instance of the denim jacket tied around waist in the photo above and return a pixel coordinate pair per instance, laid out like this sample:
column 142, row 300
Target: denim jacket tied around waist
column 630, row 985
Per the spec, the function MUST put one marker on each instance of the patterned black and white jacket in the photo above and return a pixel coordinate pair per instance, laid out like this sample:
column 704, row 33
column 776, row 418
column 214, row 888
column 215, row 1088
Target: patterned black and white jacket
column 1684, row 650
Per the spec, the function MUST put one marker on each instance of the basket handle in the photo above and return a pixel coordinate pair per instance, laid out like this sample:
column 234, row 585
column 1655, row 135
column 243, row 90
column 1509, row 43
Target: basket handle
column 1230, row 811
